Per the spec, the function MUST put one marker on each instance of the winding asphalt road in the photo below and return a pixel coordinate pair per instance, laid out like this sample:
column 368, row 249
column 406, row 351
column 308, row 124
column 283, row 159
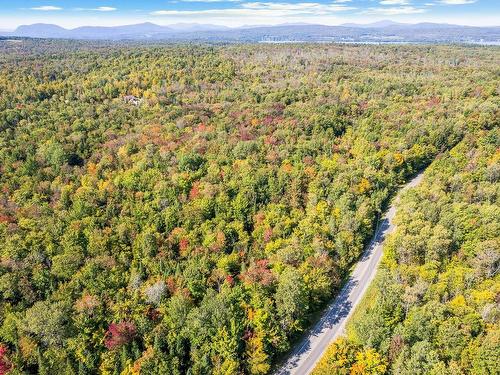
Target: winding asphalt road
column 332, row 324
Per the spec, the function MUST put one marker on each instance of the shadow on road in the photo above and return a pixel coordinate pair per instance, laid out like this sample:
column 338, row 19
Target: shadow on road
column 378, row 238
column 312, row 346
column 341, row 307
column 333, row 316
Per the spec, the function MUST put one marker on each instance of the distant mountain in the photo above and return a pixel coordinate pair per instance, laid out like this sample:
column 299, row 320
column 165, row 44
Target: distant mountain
column 430, row 25
column 41, row 30
column 377, row 32
column 384, row 23
column 188, row 27
column 137, row 31
column 117, row 32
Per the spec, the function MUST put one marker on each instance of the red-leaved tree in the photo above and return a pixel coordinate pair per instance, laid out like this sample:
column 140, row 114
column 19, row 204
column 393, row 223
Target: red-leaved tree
column 5, row 365
column 119, row 334
column 259, row 273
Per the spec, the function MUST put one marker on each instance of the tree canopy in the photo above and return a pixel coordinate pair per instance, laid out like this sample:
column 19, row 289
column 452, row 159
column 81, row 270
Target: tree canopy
column 187, row 209
column 434, row 308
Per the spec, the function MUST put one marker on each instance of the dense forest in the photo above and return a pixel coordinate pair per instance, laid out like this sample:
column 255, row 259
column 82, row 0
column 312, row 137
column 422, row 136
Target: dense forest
column 434, row 308
column 188, row 209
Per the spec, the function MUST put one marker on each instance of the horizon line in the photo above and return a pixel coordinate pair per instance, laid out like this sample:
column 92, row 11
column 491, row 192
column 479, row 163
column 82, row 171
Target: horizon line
column 247, row 26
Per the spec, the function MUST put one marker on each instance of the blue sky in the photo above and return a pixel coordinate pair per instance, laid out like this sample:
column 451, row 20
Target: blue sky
column 74, row 13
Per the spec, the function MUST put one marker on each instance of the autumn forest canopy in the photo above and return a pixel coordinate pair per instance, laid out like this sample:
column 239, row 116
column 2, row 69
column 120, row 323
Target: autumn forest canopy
column 188, row 209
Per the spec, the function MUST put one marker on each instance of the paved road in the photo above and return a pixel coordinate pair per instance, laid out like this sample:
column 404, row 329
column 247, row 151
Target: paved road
column 332, row 324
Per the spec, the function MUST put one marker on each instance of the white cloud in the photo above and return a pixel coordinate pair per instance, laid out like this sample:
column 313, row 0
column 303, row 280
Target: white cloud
column 204, row 1
column 394, row 2
column 294, row 7
column 342, row 1
column 260, row 9
column 394, row 11
column 457, row 2
column 46, row 8
column 104, row 9
column 98, row 9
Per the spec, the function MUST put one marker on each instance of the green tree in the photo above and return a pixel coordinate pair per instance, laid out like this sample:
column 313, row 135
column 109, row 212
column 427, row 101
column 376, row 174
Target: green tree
column 291, row 299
